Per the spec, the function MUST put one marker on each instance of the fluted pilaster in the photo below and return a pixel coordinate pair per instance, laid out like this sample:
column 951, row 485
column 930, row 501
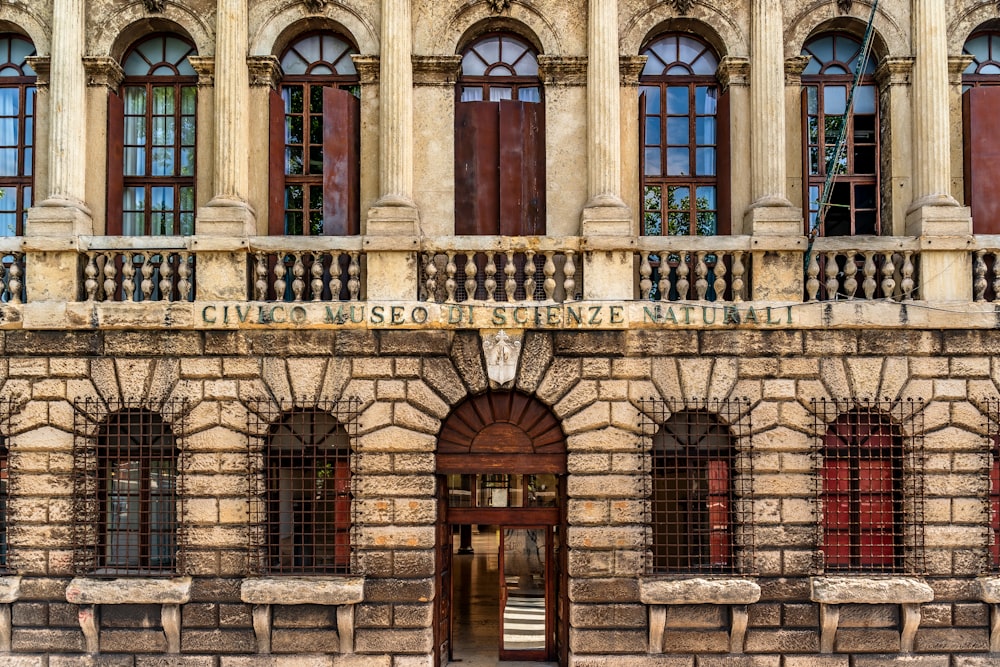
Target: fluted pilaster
column 931, row 122
column 67, row 104
column 232, row 100
column 767, row 105
column 396, row 106
column 603, row 105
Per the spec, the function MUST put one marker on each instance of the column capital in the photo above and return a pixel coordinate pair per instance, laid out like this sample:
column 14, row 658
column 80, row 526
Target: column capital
column 630, row 69
column 265, row 71
column 894, row 71
column 562, row 70
column 368, row 68
column 103, row 71
column 205, row 67
column 436, row 70
column 793, row 69
column 957, row 66
column 40, row 64
column 733, row 71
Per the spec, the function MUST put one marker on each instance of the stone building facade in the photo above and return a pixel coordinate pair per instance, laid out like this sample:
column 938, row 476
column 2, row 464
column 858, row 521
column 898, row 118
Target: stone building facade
column 693, row 302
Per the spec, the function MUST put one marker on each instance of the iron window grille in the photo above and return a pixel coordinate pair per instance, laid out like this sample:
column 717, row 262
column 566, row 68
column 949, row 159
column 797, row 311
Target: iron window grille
column 302, row 514
column 869, row 486
column 700, row 480
column 127, row 490
column 992, row 499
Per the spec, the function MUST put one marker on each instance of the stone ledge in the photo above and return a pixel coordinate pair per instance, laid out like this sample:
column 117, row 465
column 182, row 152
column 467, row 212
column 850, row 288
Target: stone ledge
column 328, row 591
column 698, row 591
column 129, row 591
column 10, row 589
column 867, row 590
column 989, row 589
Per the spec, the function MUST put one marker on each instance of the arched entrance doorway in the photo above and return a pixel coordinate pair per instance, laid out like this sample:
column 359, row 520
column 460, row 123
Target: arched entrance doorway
column 501, row 467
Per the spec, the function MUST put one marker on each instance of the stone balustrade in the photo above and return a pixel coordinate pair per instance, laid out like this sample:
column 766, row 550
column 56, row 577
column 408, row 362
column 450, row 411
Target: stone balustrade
column 694, row 268
column 293, row 269
column 862, row 268
column 137, row 269
column 985, row 270
column 11, row 270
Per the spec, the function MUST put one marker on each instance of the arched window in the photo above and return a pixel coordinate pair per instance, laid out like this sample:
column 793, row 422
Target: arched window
column 679, row 137
column 692, row 502
column 853, row 204
column 136, row 494
column 499, row 140
column 981, row 130
column 315, row 137
column 308, row 487
column 862, row 493
column 151, row 141
column 17, row 132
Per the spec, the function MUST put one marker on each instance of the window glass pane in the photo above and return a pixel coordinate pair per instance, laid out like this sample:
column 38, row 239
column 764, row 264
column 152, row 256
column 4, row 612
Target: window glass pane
column 705, row 100
column 163, row 130
column 989, row 69
column 678, row 224
column 678, row 162
column 821, row 48
column 8, row 215
column 472, row 93
column 529, row 95
column 678, row 197
column 187, row 162
column 8, row 162
column 678, row 130
column 163, row 162
column 864, row 99
column 653, row 130
column 162, row 217
column 489, row 49
column 979, row 47
column 315, row 129
column 677, row 100
column 705, row 161
column 652, row 218
column 28, row 166
column 189, row 98
column 293, row 223
column 293, row 129
column 187, row 130
column 497, row 94
column 473, row 65
column 834, row 100
column 652, row 98
column 293, row 96
column 864, row 129
column 652, row 162
column 9, row 101
column 316, row 99
column 321, row 70
column 678, row 70
column 135, row 100
column 293, row 160
column 315, row 160
column 812, row 97
column 294, row 197
column 705, row 131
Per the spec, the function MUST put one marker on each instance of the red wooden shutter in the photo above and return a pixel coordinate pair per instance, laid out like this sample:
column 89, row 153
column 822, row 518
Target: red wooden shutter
column 522, row 172
column 276, row 165
column 116, row 163
column 342, row 513
column 477, row 159
column 341, row 135
column 723, row 152
column 995, row 510
column 719, row 512
column 836, row 474
column 982, row 157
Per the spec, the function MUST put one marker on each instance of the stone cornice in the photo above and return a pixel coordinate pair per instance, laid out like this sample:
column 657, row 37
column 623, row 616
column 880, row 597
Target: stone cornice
column 630, row 69
column 40, row 64
column 894, row 71
column 103, row 71
column 435, row 70
column 956, row 67
column 205, row 67
column 733, row 71
column 368, row 68
column 264, row 71
column 562, row 70
column 793, row 69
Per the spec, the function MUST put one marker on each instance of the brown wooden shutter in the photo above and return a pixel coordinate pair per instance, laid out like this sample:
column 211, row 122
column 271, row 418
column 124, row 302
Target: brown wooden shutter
column 477, row 160
column 522, row 174
column 276, row 165
column 116, row 163
column 981, row 141
column 719, row 530
column 341, row 135
column 723, row 174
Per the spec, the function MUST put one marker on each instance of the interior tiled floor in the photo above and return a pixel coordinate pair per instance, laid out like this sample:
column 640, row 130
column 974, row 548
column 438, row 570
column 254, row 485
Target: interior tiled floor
column 476, row 605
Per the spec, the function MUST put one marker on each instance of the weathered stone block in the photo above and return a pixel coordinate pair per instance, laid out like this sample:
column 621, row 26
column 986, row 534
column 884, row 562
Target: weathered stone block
column 294, row 641
column 133, row 641
column 868, row 640
column 607, row 641
column 394, row 641
column 218, row 641
column 782, row 641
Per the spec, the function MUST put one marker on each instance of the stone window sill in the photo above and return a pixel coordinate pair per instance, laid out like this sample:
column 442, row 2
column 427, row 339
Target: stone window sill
column 341, row 592
column 10, row 592
column 170, row 594
column 989, row 592
column 659, row 594
column 830, row 592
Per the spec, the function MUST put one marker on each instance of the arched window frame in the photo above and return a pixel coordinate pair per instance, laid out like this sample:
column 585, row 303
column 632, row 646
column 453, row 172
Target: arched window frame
column 17, row 111
column 679, row 123
column 984, row 47
column 151, row 186
column 855, row 202
column 499, row 66
column 981, row 132
column 315, row 168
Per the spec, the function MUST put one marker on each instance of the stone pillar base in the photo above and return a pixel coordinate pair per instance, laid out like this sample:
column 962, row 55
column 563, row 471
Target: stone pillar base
column 223, row 276
column 392, row 272
column 230, row 219
column 608, row 275
column 778, row 268
column 58, row 221
column 392, row 221
column 939, row 221
column 774, row 221
column 945, row 258
column 606, row 221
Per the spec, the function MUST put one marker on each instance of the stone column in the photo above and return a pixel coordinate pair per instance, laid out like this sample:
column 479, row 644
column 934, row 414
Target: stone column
column 956, row 68
column 228, row 213
column 63, row 212
column 945, row 275
column 734, row 78
column 771, row 213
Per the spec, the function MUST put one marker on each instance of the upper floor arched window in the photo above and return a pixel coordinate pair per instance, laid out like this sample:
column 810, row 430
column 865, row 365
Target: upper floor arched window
column 981, row 130
column 984, row 47
column 679, row 138
column 152, row 125
column 852, row 205
column 315, row 139
column 17, row 132
column 499, row 139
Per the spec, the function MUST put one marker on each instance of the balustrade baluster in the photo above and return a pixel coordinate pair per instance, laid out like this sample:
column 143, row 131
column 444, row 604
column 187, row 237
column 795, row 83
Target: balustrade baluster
column 888, row 277
column 279, row 278
column 166, row 274
column 298, row 273
column 184, row 283
column 701, row 270
column 569, row 283
column 450, row 284
column 664, row 284
column 336, row 284
column 529, row 275
column 683, row 284
column 430, row 273
column 260, row 275
column 146, row 285
column 979, row 283
column 128, row 277
column 110, row 276
column 353, row 277
column 869, row 283
column 720, row 277
column 645, row 271
column 14, row 284
column 470, row 276
column 510, row 284
column 812, row 279
column 549, row 269
column 491, row 271
column 851, row 270
column 90, row 276
column 996, row 275
column 738, row 272
column 316, row 272
column 832, row 278
column 906, row 284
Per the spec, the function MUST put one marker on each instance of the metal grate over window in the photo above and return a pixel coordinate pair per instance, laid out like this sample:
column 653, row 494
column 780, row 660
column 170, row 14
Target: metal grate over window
column 992, row 440
column 700, row 510
column 870, row 493
column 301, row 509
column 126, row 488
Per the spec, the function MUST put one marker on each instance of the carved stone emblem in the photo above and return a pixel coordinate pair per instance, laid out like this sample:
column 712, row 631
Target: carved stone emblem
column 497, row 6
column 844, row 5
column 314, row 6
column 154, row 6
column 502, row 354
column 683, row 6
